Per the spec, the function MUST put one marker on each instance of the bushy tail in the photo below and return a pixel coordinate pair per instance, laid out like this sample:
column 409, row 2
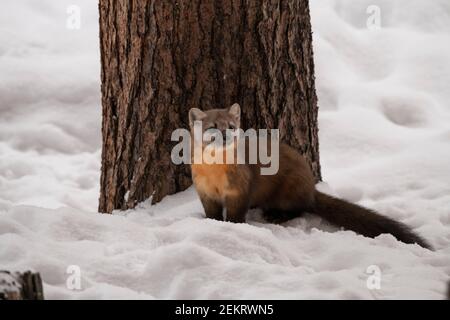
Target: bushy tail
column 363, row 221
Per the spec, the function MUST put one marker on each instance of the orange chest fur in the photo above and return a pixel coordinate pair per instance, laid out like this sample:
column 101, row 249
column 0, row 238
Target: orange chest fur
column 211, row 180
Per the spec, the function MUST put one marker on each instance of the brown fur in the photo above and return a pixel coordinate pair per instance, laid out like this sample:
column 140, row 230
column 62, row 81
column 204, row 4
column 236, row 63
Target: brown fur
column 282, row 196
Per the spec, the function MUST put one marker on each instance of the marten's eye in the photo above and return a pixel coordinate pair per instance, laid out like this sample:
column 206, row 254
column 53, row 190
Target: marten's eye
column 232, row 126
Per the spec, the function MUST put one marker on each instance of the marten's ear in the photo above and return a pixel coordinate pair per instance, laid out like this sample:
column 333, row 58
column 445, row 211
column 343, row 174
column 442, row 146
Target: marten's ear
column 235, row 111
column 195, row 114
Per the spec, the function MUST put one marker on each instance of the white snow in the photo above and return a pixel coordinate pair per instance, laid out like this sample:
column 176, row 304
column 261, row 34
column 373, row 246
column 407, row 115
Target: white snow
column 385, row 143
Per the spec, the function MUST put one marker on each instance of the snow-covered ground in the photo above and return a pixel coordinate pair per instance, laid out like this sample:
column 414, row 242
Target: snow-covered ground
column 384, row 120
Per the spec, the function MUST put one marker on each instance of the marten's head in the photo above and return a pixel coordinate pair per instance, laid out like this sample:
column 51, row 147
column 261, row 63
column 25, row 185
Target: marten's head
column 211, row 123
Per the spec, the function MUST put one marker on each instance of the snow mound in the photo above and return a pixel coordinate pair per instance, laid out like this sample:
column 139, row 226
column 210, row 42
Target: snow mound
column 170, row 251
column 50, row 107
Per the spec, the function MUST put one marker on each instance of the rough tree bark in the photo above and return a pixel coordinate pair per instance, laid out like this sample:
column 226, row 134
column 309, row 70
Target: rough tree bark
column 160, row 58
column 20, row 286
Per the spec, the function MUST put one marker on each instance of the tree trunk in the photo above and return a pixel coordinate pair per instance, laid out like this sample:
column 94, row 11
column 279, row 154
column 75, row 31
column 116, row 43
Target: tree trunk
column 161, row 58
column 20, row 286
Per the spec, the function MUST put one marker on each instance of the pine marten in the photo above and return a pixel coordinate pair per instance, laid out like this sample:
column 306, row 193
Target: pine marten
column 282, row 196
